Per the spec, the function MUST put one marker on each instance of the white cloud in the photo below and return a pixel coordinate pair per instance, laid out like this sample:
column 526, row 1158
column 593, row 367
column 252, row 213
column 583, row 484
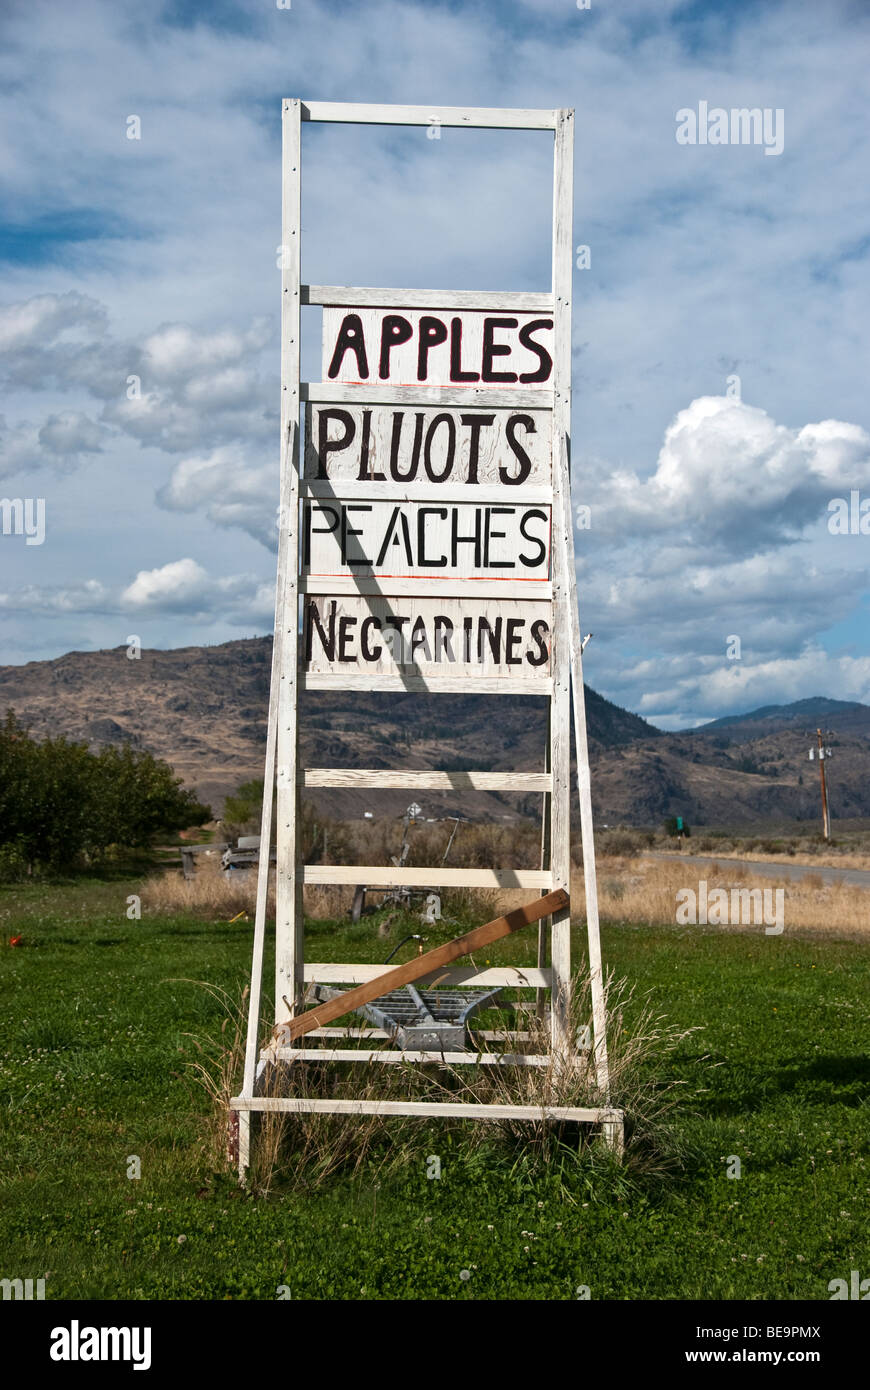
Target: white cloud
column 734, row 685
column 59, row 443
column 176, row 585
column 184, row 586
column 175, row 352
column 231, row 489
column 726, row 537
column 729, row 477
column 45, row 317
column 179, row 587
column 71, row 433
column 88, row 596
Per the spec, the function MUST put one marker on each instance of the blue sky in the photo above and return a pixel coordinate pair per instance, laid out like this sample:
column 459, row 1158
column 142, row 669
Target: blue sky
column 157, row 258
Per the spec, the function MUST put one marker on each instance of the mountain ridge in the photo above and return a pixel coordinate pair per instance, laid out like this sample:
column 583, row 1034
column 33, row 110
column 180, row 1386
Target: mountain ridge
column 204, row 710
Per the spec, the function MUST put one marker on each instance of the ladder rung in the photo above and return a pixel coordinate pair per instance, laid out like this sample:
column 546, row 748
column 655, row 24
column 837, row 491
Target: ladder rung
column 426, row 781
column 422, row 877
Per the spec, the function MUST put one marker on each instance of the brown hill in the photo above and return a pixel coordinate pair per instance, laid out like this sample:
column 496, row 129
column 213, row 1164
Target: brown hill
column 203, row 709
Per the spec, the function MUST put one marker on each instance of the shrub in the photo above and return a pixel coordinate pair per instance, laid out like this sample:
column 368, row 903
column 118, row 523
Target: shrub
column 61, row 805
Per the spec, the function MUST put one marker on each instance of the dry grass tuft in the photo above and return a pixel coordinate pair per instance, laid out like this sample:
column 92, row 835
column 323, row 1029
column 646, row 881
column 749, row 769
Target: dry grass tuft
column 217, row 1066
column 640, row 1045
column 304, row 1152
column 212, row 893
column 645, row 892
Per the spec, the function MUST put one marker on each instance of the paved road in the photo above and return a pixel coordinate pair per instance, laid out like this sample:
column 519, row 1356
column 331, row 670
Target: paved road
column 859, row 877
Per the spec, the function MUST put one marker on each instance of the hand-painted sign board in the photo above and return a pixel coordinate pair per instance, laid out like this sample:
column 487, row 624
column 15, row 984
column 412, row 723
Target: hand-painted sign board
column 413, row 347
column 426, row 637
column 402, row 503
column 400, row 444
column 430, row 541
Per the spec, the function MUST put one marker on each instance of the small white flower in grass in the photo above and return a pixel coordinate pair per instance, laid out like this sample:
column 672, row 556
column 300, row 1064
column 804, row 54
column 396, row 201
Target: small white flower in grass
column 800, row 1259
column 182, row 1239
column 540, row 1204
column 465, row 1275
column 490, row 1228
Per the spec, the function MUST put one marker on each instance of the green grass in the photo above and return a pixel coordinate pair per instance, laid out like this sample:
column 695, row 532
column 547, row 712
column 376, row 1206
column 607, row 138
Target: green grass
column 93, row 1045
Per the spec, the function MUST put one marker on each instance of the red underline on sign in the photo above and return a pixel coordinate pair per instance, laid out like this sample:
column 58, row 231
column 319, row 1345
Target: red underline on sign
column 448, row 385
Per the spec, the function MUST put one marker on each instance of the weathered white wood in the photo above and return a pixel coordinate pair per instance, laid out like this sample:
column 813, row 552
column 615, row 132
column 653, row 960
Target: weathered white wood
column 426, row 637
column 546, row 923
column 286, row 491
column 613, row 1133
column 484, row 1034
column 492, row 448
column 513, row 977
column 460, row 1110
column 450, row 397
column 422, row 877
column 414, row 588
column 326, row 491
column 469, row 117
column 385, row 778
column 501, row 1035
column 244, row 1157
column 560, row 745
column 508, row 977
column 413, row 347
column 364, row 1033
column 288, row 913
column 435, row 685
column 584, row 791
column 393, row 1057
column 433, row 541
column 370, row 297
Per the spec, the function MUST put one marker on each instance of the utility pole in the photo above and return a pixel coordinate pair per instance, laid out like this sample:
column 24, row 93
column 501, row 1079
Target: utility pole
column 824, row 751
